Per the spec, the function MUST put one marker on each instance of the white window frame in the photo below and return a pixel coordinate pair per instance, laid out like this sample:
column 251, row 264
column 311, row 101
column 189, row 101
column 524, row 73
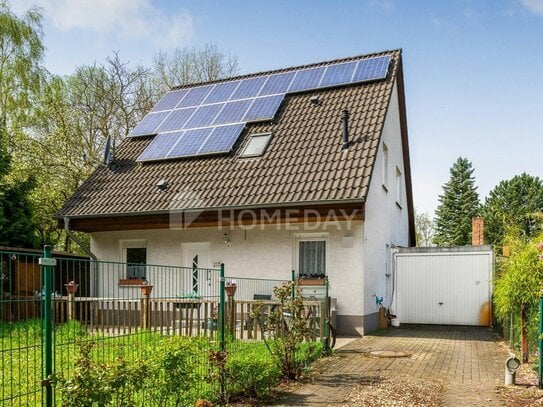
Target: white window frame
column 309, row 237
column 264, row 148
column 399, row 189
column 131, row 244
column 384, row 168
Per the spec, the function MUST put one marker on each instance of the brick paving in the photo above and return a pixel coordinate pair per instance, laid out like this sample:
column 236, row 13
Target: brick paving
column 467, row 360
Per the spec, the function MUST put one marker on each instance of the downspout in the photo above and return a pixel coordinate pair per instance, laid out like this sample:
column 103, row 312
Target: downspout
column 94, row 264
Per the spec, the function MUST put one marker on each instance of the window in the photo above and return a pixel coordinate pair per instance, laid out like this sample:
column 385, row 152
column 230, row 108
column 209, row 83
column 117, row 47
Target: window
column 385, row 167
column 256, row 145
column 398, row 187
column 134, row 254
column 312, row 258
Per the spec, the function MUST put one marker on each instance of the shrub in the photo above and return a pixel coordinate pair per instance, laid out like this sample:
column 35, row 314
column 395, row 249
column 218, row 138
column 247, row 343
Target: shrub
column 285, row 340
column 251, row 374
column 99, row 383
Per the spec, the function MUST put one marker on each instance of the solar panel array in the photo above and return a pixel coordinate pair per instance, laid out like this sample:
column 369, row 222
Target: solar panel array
column 208, row 119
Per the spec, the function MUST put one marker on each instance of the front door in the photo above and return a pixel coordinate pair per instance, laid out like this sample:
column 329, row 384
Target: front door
column 197, row 261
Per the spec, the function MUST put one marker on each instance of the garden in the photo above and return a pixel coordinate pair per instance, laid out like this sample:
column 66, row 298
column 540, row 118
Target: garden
column 146, row 367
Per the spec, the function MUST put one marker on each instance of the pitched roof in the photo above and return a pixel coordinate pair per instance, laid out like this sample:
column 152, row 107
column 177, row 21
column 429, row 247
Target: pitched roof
column 303, row 164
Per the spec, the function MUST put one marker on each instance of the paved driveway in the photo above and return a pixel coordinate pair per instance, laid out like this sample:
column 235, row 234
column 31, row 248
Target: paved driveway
column 467, row 360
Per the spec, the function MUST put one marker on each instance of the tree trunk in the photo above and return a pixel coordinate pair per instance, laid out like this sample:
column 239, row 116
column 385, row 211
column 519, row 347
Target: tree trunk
column 524, row 336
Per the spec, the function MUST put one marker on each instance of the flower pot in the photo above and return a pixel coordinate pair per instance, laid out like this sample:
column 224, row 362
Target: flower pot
column 146, row 289
column 71, row 287
column 231, row 290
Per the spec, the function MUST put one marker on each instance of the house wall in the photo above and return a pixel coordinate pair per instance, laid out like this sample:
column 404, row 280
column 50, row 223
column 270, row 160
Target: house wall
column 263, row 252
column 387, row 221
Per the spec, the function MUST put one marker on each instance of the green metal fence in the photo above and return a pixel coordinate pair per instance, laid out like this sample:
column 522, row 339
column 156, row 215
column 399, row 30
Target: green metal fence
column 66, row 313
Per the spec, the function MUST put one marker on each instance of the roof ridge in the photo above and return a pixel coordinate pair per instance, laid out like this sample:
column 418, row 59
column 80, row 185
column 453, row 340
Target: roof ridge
column 291, row 68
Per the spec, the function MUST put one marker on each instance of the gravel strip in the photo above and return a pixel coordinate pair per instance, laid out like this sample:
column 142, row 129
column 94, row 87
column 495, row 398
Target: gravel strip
column 396, row 391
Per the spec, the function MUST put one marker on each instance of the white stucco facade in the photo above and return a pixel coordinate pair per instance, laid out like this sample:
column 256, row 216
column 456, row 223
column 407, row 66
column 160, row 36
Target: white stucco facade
column 261, row 252
column 387, row 219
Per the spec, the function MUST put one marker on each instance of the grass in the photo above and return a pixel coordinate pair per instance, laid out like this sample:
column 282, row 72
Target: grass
column 21, row 360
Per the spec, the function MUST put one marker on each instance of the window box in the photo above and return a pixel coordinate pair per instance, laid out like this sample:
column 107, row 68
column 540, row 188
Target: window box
column 311, row 281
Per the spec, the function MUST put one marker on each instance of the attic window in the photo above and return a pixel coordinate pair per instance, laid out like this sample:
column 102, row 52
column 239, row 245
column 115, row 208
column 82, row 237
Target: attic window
column 256, row 145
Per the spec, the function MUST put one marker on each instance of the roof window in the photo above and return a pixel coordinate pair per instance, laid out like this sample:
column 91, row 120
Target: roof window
column 256, row 145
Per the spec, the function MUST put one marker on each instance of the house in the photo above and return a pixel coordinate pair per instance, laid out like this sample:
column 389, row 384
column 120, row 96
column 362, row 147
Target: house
column 305, row 169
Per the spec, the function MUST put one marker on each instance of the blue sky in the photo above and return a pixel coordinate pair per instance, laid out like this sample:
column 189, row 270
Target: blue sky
column 473, row 68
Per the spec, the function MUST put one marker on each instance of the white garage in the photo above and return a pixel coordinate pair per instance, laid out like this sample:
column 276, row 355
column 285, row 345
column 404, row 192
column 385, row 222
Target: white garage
column 444, row 286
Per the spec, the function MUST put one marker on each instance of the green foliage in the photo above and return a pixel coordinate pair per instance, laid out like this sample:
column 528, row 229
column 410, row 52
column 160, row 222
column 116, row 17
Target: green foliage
column 112, row 384
column 286, row 337
column 172, row 372
column 514, row 203
column 520, row 276
column 16, row 225
column 457, row 206
column 251, row 375
column 21, row 73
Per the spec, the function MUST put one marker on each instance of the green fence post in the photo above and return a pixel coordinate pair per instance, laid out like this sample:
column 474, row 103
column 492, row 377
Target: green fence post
column 327, row 315
column 47, row 324
column 222, row 306
column 540, row 342
column 293, row 277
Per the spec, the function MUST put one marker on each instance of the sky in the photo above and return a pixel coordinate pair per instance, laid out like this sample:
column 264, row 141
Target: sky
column 472, row 68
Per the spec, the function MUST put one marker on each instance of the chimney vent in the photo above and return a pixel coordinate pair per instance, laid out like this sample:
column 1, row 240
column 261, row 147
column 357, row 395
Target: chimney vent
column 477, row 231
column 345, row 121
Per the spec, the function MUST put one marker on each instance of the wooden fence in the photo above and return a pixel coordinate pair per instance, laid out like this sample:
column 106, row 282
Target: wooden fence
column 190, row 317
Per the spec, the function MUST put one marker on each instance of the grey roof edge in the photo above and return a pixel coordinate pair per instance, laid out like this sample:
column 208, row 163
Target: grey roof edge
column 60, row 216
column 445, row 249
column 291, row 68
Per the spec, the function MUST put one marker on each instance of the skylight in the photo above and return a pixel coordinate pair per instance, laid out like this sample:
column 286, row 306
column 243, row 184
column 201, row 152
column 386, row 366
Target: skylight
column 256, row 145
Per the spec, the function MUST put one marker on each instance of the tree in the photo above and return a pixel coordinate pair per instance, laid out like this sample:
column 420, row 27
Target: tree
column 518, row 285
column 513, row 204
column 16, row 225
column 21, row 73
column 424, row 229
column 457, row 206
column 192, row 65
column 21, row 76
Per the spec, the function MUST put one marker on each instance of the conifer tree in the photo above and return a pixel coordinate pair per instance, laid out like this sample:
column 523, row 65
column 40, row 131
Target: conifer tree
column 458, row 204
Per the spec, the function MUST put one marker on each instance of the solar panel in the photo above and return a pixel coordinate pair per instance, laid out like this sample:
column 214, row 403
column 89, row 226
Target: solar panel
column 160, row 146
column 249, row 88
column 170, row 100
column 195, row 96
column 190, row 143
column 204, row 116
column 307, row 79
column 338, row 74
column 221, row 92
column 374, row 68
column 263, row 108
column 222, row 139
column 208, row 119
column 176, row 120
column 233, row 112
column 278, row 83
column 149, row 124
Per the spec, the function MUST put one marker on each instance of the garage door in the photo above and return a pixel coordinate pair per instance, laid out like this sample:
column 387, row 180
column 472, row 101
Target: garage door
column 443, row 287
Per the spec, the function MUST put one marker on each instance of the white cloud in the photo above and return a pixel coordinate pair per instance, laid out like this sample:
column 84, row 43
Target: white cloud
column 387, row 6
column 130, row 19
column 534, row 6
